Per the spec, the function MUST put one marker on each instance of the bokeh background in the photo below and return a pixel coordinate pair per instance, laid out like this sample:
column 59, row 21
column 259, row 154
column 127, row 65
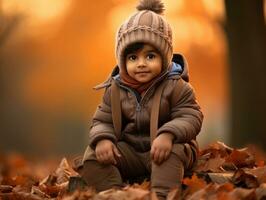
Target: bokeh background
column 52, row 52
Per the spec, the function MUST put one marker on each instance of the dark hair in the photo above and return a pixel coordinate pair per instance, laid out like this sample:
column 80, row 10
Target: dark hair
column 132, row 48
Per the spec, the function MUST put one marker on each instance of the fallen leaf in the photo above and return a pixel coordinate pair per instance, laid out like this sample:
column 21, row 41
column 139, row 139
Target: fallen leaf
column 81, row 195
column 241, row 193
column 52, row 191
column 245, row 179
column 193, row 184
column 220, row 178
column 6, row 188
column 35, row 190
column 208, row 192
column 261, row 191
column 259, row 172
column 211, row 165
column 217, row 148
column 174, row 194
column 241, row 158
column 63, row 172
column 50, row 180
column 127, row 193
column 145, row 185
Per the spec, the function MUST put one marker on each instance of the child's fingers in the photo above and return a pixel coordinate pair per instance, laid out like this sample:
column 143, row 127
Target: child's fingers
column 105, row 158
column 156, row 156
column 166, row 155
column 99, row 155
column 111, row 158
column 99, row 158
column 116, row 152
column 161, row 156
column 102, row 158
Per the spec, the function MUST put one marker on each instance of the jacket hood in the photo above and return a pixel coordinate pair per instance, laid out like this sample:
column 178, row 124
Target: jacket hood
column 179, row 68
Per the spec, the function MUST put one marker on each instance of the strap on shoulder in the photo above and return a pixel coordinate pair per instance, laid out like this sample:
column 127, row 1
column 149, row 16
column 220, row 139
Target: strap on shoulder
column 116, row 108
column 156, row 106
column 155, row 111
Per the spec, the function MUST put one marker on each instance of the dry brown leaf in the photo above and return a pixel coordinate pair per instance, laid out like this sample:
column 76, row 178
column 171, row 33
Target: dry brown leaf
column 6, row 188
column 50, row 180
column 259, row 172
column 137, row 194
column 25, row 196
column 260, row 163
column 217, row 148
column 245, row 179
column 23, row 184
column 220, row 178
column 241, row 193
column 223, row 190
column 63, row 172
column 127, row 193
column 259, row 155
column 35, row 190
column 174, row 194
column 227, row 187
column 145, row 185
column 81, row 195
column 261, row 192
column 241, row 158
column 211, row 165
column 52, row 191
column 193, row 184
column 208, row 192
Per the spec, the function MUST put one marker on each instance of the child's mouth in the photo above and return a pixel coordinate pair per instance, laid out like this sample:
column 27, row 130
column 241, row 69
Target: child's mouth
column 140, row 73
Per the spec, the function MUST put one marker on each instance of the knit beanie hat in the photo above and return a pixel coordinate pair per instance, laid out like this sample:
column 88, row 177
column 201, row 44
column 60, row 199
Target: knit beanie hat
column 148, row 26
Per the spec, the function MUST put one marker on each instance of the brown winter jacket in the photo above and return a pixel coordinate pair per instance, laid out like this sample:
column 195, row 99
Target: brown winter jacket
column 179, row 114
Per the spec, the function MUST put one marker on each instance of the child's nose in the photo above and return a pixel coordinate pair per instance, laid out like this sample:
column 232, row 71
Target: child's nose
column 141, row 62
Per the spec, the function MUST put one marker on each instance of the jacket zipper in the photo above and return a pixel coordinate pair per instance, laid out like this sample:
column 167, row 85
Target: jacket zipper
column 139, row 103
column 138, row 106
column 138, row 111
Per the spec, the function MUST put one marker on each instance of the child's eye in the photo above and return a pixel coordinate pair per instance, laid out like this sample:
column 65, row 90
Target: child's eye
column 132, row 57
column 151, row 56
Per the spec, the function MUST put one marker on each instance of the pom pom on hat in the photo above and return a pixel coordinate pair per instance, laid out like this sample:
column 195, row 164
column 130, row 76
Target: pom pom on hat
column 153, row 5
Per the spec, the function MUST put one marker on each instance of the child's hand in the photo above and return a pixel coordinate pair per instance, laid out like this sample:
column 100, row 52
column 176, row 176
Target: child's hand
column 106, row 151
column 161, row 147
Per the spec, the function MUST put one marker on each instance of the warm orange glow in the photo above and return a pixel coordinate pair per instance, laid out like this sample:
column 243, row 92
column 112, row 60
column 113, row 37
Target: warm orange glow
column 37, row 15
column 38, row 10
column 73, row 49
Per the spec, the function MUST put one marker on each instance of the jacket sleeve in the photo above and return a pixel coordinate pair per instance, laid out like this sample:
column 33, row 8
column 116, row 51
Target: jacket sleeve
column 102, row 123
column 185, row 117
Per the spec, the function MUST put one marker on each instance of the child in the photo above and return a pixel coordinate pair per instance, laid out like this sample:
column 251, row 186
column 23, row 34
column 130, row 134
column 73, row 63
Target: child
column 146, row 64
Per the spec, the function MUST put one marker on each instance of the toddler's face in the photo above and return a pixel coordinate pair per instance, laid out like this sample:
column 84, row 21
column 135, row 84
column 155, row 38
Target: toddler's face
column 144, row 64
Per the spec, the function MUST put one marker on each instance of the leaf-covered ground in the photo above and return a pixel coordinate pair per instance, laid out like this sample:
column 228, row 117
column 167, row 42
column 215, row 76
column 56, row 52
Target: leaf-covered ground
column 221, row 173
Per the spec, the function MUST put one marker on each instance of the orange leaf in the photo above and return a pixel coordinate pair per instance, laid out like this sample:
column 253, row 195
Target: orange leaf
column 194, row 184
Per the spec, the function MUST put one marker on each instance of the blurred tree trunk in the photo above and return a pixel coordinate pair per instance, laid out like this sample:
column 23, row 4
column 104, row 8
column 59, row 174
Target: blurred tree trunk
column 8, row 25
column 247, row 59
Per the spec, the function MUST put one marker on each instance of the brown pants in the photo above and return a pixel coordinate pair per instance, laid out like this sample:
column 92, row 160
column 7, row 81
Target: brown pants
column 134, row 164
